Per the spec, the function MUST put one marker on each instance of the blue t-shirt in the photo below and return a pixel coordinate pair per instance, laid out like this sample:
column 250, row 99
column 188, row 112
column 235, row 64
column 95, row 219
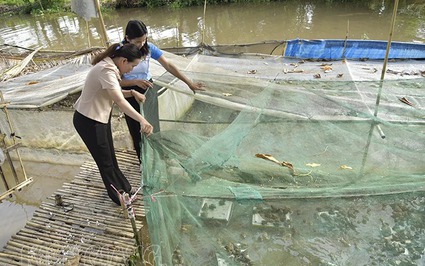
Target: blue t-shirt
column 141, row 71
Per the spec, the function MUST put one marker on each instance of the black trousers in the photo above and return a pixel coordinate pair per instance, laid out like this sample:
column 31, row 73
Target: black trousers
column 98, row 139
column 150, row 110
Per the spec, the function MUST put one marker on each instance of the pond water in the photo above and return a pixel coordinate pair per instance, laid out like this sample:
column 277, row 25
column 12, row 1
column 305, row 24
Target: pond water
column 224, row 24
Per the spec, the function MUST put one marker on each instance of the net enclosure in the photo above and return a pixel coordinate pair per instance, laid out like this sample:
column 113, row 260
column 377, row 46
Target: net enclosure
column 283, row 160
column 287, row 161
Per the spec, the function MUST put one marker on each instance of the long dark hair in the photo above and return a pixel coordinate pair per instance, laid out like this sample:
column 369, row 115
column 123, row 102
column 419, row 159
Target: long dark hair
column 129, row 51
column 136, row 29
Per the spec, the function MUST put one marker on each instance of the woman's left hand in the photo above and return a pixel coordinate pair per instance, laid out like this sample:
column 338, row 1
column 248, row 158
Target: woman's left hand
column 138, row 96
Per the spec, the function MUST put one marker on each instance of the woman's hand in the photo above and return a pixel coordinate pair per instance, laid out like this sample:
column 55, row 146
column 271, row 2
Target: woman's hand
column 198, row 86
column 146, row 127
column 138, row 96
column 144, row 84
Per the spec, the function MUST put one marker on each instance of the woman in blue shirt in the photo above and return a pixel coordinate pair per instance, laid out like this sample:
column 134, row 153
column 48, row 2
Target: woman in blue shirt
column 140, row 79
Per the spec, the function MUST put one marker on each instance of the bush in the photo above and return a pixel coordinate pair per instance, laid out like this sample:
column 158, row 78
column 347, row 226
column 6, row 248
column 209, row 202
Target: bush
column 49, row 4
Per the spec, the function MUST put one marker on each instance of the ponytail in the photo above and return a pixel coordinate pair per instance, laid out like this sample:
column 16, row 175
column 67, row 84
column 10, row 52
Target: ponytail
column 128, row 51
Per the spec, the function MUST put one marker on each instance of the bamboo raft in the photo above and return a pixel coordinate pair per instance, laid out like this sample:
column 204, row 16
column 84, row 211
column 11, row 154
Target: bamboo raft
column 92, row 232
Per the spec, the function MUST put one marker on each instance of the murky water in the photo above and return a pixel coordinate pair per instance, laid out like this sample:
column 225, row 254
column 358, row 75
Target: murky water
column 225, row 24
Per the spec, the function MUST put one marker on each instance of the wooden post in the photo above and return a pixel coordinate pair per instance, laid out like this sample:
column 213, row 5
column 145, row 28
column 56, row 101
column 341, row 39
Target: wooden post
column 105, row 35
column 12, row 131
column 132, row 217
column 204, row 24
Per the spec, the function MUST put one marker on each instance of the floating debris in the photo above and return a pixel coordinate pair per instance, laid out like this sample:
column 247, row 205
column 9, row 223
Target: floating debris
column 345, row 167
column 404, row 100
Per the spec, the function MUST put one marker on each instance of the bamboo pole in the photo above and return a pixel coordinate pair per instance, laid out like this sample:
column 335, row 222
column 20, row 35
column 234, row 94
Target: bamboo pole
column 6, row 185
column 17, row 187
column 105, row 35
column 12, row 130
column 387, row 52
column 346, row 39
column 378, row 98
column 204, row 24
column 132, row 217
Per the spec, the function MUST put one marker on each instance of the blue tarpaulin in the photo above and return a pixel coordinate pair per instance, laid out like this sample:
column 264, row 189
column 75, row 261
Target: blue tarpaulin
column 352, row 49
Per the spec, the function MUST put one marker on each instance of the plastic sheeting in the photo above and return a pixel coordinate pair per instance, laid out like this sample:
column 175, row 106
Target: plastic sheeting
column 353, row 49
column 84, row 8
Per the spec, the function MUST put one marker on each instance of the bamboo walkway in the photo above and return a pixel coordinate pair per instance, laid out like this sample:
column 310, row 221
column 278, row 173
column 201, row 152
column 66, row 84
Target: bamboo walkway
column 94, row 232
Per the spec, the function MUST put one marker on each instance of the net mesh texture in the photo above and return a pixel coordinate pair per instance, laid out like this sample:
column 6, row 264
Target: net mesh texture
column 288, row 162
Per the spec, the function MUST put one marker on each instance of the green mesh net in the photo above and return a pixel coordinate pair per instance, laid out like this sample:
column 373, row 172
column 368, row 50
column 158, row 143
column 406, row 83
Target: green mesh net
column 290, row 172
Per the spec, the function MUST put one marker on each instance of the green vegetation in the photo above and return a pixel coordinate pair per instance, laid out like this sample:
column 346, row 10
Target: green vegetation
column 33, row 6
column 416, row 7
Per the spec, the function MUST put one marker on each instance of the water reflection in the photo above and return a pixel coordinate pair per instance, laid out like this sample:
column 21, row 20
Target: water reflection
column 229, row 24
column 308, row 15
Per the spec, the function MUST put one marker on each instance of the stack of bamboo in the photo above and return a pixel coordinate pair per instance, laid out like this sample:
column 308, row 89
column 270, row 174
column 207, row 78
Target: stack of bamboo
column 85, row 228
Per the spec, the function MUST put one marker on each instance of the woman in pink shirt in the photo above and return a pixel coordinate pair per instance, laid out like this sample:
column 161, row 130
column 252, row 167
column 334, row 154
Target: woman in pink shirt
column 93, row 109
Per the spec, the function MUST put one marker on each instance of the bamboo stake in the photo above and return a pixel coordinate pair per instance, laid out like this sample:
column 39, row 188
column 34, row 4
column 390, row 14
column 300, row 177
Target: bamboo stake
column 378, row 98
column 132, row 216
column 204, row 24
column 105, row 35
column 17, row 187
column 6, row 185
column 88, row 32
column 346, row 39
column 12, row 130
column 387, row 52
